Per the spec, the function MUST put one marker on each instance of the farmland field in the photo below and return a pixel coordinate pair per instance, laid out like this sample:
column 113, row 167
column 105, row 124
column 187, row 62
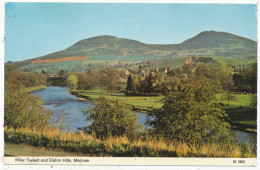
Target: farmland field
column 60, row 59
column 72, row 66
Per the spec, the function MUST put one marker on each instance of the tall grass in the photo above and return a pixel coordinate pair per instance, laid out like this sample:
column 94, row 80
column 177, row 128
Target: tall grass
column 122, row 146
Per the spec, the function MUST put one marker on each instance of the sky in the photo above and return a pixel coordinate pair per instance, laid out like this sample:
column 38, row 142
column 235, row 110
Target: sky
column 36, row 29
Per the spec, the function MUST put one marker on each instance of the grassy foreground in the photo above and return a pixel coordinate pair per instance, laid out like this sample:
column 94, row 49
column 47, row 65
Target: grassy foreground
column 123, row 146
column 12, row 149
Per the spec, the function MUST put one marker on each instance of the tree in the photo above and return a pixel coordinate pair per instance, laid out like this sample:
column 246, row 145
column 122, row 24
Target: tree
column 189, row 115
column 93, row 79
column 222, row 75
column 110, row 117
column 250, row 75
column 61, row 73
column 146, row 85
column 72, row 81
column 130, row 88
column 238, row 81
column 110, row 79
column 22, row 110
column 82, row 81
column 44, row 72
column 170, row 85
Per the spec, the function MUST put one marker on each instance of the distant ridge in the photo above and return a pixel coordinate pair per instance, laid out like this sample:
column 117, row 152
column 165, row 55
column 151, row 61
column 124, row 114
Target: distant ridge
column 207, row 43
column 213, row 39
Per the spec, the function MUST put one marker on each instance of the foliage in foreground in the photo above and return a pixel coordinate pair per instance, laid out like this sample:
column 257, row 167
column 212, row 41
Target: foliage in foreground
column 20, row 108
column 147, row 146
column 190, row 116
column 111, row 117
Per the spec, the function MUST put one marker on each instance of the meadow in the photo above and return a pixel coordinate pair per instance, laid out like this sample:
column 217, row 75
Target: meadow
column 241, row 114
column 71, row 65
column 144, row 103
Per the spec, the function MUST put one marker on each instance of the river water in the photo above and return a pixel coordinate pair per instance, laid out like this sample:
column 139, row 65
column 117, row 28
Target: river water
column 59, row 100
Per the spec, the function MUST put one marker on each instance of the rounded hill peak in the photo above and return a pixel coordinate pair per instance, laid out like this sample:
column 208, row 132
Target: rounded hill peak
column 214, row 39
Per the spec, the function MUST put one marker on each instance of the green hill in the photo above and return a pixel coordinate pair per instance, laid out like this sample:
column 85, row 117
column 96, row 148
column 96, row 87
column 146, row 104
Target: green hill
column 110, row 49
column 220, row 44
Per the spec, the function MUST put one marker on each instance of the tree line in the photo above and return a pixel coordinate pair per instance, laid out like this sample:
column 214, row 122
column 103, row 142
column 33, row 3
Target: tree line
column 225, row 78
column 22, row 110
column 107, row 79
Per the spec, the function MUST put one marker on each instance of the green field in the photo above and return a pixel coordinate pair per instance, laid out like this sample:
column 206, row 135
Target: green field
column 237, row 62
column 104, row 61
column 73, row 66
column 239, row 99
column 239, row 109
column 138, row 102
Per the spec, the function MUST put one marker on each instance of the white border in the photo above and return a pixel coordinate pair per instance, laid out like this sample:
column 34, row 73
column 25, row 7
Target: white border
column 155, row 161
column 145, row 1
column 2, row 12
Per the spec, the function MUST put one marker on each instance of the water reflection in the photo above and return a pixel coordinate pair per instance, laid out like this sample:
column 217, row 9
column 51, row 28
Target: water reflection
column 58, row 100
column 245, row 137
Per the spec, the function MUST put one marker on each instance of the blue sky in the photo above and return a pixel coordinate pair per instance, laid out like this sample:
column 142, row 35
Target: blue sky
column 36, row 29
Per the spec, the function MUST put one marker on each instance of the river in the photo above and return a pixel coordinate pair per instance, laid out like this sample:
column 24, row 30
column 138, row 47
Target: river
column 59, row 100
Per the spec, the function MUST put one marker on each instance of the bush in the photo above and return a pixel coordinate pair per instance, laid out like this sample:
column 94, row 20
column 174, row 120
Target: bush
column 24, row 110
column 190, row 116
column 110, row 117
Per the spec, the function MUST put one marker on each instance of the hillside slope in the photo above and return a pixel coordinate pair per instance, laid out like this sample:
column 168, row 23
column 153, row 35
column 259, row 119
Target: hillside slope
column 207, row 43
column 220, row 44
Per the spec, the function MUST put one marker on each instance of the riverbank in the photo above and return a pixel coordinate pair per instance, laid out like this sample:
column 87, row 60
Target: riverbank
column 35, row 88
column 138, row 103
column 242, row 116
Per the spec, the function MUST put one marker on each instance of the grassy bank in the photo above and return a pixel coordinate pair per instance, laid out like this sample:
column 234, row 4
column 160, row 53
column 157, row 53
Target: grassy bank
column 122, row 146
column 11, row 149
column 30, row 89
column 145, row 103
column 242, row 117
column 241, row 113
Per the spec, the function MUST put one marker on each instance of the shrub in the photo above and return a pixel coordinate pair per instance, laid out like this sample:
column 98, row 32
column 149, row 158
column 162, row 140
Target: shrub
column 111, row 117
column 190, row 116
